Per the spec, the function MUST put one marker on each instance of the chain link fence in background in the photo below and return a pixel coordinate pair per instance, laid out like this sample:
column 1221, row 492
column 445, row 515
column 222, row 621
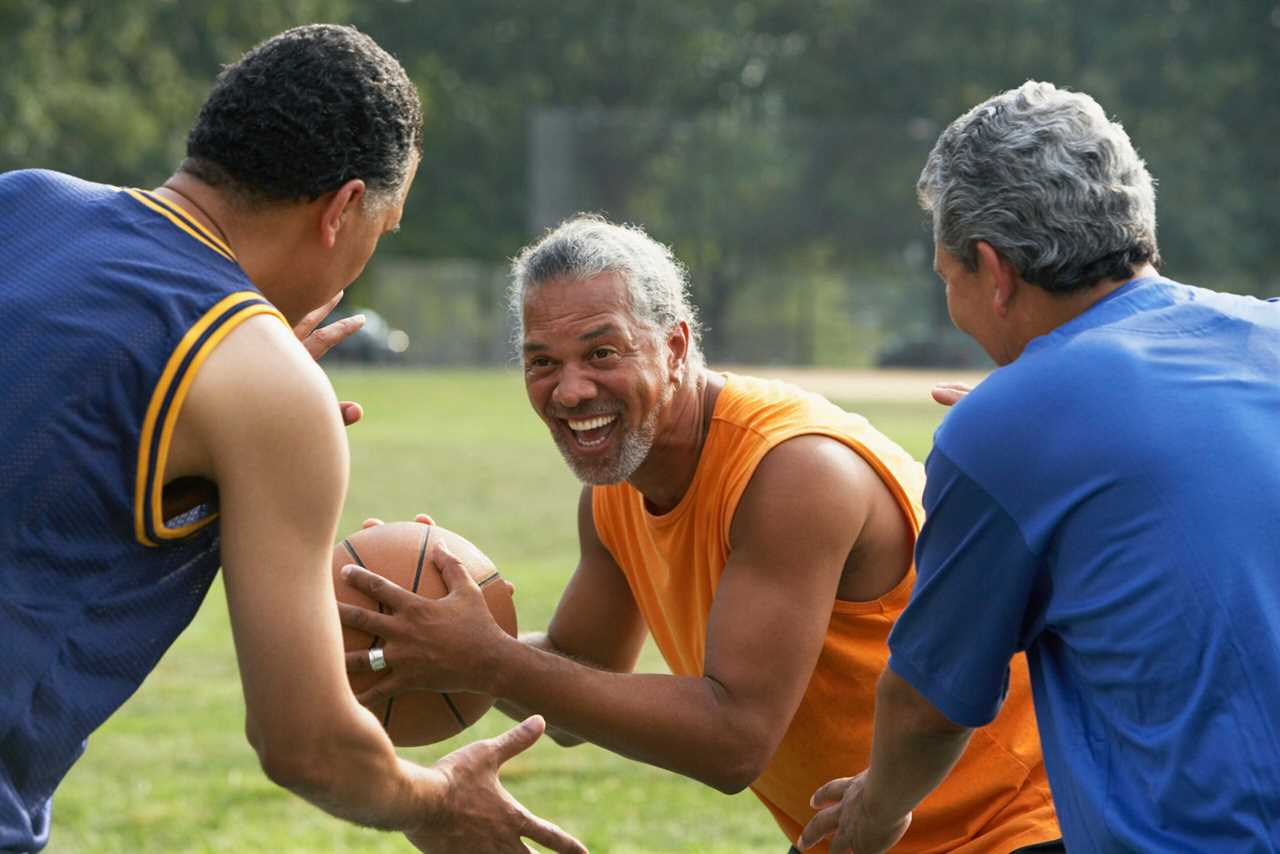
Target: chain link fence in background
column 803, row 238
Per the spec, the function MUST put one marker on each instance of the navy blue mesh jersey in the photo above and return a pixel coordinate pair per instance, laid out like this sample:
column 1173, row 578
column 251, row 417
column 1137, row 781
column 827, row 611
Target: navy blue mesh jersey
column 112, row 298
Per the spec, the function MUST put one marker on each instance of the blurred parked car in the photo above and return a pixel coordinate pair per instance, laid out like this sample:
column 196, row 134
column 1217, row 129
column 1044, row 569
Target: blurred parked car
column 933, row 348
column 377, row 343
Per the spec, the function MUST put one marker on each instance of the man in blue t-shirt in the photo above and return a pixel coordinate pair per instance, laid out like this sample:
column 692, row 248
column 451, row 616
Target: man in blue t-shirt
column 1108, row 501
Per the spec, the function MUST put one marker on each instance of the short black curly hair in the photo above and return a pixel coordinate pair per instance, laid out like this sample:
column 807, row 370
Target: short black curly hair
column 303, row 113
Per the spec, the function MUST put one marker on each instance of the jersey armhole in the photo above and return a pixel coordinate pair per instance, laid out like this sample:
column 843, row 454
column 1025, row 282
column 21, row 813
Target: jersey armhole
column 150, row 527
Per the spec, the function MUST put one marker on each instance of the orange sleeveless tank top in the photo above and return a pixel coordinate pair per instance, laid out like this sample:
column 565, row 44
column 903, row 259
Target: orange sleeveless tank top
column 997, row 797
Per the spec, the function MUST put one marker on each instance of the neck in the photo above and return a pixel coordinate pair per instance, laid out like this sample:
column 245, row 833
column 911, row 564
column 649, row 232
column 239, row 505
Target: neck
column 1042, row 311
column 204, row 203
column 262, row 239
column 665, row 475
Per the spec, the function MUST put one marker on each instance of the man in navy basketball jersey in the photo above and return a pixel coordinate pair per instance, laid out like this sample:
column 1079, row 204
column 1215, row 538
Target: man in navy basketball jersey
column 162, row 419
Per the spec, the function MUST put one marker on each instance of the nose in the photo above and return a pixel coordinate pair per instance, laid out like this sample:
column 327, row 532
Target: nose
column 573, row 388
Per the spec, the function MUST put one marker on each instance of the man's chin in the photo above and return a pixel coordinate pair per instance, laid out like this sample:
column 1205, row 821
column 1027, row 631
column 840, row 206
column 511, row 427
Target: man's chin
column 593, row 473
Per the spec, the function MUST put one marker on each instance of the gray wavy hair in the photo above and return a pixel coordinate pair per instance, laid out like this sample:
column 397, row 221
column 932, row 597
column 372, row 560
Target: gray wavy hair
column 587, row 245
column 1054, row 186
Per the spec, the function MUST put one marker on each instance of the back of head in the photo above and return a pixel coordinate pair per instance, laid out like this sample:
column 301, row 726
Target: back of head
column 1043, row 176
column 303, row 113
column 585, row 246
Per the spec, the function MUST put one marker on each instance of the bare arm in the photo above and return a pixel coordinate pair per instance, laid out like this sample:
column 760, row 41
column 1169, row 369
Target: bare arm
column 794, row 528
column 914, row 748
column 596, row 622
column 260, row 421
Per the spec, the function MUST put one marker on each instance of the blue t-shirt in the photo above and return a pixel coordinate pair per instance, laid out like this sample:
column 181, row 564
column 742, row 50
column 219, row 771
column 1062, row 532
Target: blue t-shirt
column 1110, row 503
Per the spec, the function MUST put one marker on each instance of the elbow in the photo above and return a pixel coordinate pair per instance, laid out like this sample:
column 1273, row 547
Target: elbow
column 738, row 767
column 896, row 698
column 292, row 765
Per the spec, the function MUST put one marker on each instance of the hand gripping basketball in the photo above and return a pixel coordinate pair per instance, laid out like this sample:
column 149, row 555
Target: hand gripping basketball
column 446, row 644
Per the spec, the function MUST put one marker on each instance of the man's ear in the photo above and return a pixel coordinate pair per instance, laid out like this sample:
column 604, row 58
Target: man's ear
column 1000, row 277
column 342, row 204
column 677, row 350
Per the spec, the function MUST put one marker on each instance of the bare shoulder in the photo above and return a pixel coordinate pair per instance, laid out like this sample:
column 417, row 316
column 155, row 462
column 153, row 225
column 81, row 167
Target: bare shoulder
column 812, row 468
column 258, row 386
column 814, row 496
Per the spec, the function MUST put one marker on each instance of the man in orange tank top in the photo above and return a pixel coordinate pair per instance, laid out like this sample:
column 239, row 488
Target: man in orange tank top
column 762, row 535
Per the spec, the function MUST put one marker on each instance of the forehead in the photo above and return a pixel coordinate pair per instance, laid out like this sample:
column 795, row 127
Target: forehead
column 569, row 308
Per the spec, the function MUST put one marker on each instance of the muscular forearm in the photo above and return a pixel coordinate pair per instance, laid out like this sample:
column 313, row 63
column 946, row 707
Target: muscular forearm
column 913, row 750
column 517, row 712
column 349, row 769
column 684, row 724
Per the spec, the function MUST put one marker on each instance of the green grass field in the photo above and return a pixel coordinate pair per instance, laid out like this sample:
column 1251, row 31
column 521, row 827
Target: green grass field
column 172, row 771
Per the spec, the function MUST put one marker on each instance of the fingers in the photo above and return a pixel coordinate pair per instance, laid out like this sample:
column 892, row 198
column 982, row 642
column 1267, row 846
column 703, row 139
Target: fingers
column 358, row 661
column 455, row 575
column 351, row 412
column 384, row 690
column 424, row 519
column 949, row 394
column 830, row 792
column 371, row 522
column 323, row 340
column 377, row 588
column 365, row 620
column 550, row 836
column 819, row 827
column 517, row 739
column 312, row 319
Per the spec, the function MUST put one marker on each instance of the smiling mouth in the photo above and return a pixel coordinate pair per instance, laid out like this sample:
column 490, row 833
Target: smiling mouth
column 591, row 432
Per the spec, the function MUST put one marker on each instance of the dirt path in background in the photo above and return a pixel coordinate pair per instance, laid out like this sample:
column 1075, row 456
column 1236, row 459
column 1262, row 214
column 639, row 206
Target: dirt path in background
column 890, row 385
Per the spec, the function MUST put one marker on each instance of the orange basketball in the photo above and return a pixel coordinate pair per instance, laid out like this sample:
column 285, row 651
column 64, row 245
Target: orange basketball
column 397, row 551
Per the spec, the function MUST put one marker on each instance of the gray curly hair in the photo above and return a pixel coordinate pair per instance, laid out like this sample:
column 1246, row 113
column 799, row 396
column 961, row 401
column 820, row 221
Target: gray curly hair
column 1049, row 181
column 587, row 245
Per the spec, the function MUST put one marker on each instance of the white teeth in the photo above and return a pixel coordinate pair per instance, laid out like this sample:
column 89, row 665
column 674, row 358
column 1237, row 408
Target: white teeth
column 581, row 424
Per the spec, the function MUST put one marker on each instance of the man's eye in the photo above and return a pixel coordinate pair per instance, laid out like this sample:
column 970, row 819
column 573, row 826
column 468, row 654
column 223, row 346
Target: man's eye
column 601, row 353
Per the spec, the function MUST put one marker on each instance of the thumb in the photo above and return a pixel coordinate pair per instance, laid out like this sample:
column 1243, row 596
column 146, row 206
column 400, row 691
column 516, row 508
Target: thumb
column 518, row 739
column 455, row 575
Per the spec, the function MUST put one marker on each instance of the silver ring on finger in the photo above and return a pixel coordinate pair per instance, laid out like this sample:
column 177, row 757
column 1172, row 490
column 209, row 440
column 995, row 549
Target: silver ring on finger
column 377, row 661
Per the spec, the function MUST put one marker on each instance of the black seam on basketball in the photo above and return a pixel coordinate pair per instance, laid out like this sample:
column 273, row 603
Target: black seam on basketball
column 462, row 722
column 493, row 576
column 386, row 716
column 422, row 556
column 355, row 555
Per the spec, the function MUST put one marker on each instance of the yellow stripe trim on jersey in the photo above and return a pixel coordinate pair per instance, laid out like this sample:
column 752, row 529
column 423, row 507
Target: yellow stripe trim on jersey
column 155, row 479
column 215, row 245
column 191, row 221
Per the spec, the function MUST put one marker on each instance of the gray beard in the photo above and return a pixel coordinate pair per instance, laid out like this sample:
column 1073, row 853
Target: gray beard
column 633, row 449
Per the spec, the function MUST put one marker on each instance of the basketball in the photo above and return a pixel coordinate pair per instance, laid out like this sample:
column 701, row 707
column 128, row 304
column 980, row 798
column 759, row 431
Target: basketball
column 397, row 551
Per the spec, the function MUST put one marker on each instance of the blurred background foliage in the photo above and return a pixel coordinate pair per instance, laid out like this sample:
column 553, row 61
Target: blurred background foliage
column 773, row 143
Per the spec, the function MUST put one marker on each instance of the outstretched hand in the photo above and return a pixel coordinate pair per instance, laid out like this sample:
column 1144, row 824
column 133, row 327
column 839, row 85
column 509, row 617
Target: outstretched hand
column 843, row 815
column 447, row 644
column 321, row 339
column 478, row 814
